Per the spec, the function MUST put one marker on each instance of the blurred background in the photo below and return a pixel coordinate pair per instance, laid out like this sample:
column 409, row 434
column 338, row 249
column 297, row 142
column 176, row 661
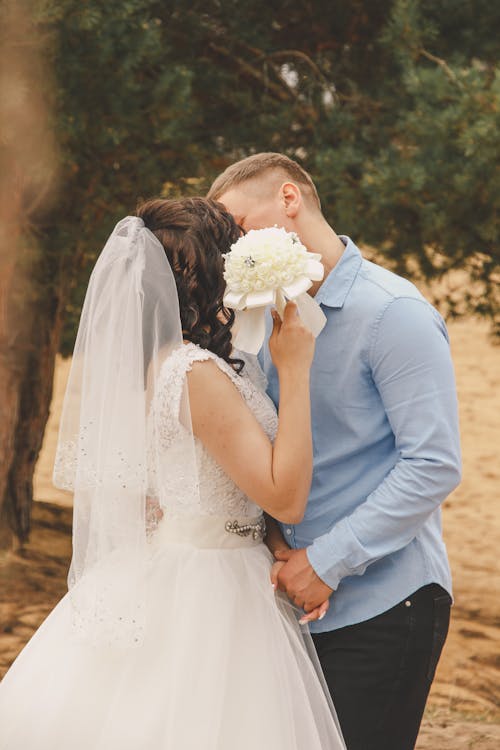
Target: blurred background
column 394, row 108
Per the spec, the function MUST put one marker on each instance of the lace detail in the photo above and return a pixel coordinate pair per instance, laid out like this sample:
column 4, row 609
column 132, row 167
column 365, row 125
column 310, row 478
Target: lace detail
column 165, row 409
column 215, row 493
column 75, row 465
column 65, row 466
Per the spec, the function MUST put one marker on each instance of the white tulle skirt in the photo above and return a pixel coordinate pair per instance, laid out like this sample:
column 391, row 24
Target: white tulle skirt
column 224, row 664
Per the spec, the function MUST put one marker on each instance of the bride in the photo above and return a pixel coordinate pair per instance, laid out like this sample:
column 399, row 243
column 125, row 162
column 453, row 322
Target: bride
column 171, row 635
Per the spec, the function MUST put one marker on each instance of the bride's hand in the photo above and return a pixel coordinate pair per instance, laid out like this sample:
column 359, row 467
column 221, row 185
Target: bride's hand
column 291, row 343
column 275, row 569
column 316, row 614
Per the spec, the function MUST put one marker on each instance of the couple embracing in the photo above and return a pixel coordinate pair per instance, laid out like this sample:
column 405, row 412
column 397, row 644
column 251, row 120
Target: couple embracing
column 257, row 550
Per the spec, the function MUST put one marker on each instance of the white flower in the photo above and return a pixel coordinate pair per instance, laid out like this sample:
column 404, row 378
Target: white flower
column 268, row 259
column 266, row 267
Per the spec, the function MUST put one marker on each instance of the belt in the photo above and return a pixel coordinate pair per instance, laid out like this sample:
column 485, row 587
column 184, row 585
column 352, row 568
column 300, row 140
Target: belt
column 211, row 532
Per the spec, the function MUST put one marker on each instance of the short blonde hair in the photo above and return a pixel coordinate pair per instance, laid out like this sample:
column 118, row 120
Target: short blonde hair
column 256, row 166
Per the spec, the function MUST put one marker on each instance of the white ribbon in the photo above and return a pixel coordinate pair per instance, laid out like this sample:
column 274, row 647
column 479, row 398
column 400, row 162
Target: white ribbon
column 250, row 326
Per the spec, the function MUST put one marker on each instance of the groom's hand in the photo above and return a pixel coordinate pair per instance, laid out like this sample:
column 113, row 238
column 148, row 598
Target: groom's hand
column 299, row 581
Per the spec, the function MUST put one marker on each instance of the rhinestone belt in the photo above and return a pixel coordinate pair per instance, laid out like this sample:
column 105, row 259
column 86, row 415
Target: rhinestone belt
column 257, row 530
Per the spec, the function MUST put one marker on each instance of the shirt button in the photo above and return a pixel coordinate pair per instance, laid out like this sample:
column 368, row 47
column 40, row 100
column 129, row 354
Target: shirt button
column 407, row 603
column 288, row 531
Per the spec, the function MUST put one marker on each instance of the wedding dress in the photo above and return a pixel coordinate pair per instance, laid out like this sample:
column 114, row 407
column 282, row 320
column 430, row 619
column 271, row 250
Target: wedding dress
column 223, row 663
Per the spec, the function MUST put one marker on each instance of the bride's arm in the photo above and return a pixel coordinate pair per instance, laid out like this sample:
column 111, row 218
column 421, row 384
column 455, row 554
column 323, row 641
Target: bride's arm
column 276, row 477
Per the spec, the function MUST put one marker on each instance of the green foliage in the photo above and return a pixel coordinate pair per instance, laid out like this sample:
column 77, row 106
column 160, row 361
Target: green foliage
column 428, row 191
column 393, row 107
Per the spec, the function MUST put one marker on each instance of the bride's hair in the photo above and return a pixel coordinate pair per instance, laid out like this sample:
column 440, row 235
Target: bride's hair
column 195, row 232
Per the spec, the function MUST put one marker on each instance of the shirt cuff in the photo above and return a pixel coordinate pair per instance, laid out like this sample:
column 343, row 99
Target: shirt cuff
column 321, row 559
column 338, row 554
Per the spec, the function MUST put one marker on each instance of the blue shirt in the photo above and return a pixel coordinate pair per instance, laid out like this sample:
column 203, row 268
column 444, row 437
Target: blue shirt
column 386, row 442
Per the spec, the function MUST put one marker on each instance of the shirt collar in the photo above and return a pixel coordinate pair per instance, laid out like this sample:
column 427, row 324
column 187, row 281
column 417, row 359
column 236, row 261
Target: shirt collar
column 335, row 288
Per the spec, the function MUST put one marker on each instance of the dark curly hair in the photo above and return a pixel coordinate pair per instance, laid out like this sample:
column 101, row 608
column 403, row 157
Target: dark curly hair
column 195, row 232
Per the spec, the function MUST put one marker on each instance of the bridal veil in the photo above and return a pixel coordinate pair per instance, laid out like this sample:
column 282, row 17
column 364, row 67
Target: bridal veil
column 110, row 452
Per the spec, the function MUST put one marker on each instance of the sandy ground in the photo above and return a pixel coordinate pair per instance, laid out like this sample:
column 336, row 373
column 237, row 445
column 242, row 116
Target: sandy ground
column 463, row 711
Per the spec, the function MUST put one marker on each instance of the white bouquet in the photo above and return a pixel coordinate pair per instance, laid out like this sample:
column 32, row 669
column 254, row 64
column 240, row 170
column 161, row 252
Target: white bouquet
column 268, row 267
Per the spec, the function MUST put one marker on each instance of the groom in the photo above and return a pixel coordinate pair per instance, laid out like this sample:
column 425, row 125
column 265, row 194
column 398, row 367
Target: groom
column 386, row 455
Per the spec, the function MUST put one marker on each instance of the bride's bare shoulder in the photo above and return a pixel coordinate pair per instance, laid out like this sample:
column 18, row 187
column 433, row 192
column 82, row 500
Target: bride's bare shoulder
column 208, row 375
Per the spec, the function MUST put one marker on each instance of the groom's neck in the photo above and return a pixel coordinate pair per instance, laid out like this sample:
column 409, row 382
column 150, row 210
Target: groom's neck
column 319, row 237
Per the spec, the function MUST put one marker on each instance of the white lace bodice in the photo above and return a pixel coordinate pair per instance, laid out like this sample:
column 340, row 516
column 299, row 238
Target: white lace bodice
column 215, row 493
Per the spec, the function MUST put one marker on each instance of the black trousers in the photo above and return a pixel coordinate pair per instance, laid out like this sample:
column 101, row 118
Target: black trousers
column 379, row 672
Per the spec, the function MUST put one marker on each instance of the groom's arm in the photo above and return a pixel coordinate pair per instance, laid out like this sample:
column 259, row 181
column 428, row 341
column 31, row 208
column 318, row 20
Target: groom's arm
column 413, row 373
column 275, row 540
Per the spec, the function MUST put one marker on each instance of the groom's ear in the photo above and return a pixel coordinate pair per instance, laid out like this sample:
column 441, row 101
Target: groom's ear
column 291, row 198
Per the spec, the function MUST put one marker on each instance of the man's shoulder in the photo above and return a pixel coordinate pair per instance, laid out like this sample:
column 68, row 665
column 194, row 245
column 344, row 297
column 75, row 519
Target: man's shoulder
column 379, row 290
column 380, row 286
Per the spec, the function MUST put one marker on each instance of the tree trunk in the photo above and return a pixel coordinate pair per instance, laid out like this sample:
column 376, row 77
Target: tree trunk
column 9, row 404
column 34, row 370
column 31, row 297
